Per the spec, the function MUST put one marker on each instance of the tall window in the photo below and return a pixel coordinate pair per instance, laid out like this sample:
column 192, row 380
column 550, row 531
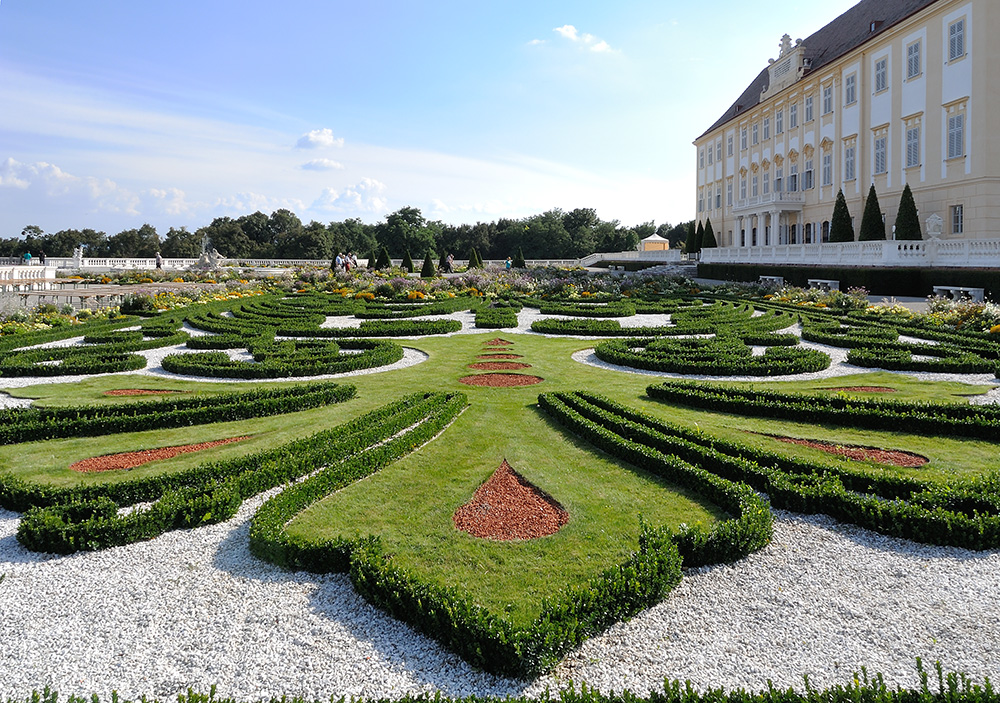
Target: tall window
column 913, row 60
column 881, row 75
column 956, row 40
column 851, row 89
column 701, row 202
column 957, row 219
column 807, row 176
column 766, row 185
column 778, row 175
column 729, row 193
column 756, row 133
column 701, row 158
column 753, row 186
column 718, row 197
column 827, row 169
column 913, row 146
column 809, row 108
column 779, row 121
column 767, row 128
column 729, row 145
column 718, row 150
column 793, row 178
column 956, row 136
column 743, row 188
column 881, row 163
column 849, row 171
column 793, row 116
column 711, row 154
column 827, row 99
column 743, row 139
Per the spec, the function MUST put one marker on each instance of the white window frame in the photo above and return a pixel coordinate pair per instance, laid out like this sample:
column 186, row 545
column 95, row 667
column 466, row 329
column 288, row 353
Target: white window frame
column 880, row 149
column 754, row 186
column 809, row 108
column 956, row 40
column 767, row 128
column 793, row 178
column 711, row 154
column 914, row 58
column 913, row 146
column 828, row 169
column 958, row 219
column 743, row 139
column 827, row 99
column 851, row 89
column 718, row 197
column 766, row 184
column 807, row 176
column 755, row 134
column 793, row 116
column 882, row 75
column 743, row 187
column 718, row 150
column 850, row 170
column 729, row 145
column 701, row 158
column 779, row 174
column 729, row 193
column 956, row 136
column 779, row 122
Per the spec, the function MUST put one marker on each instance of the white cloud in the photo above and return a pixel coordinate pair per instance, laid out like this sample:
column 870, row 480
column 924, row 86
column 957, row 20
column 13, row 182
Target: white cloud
column 537, row 42
column 170, row 201
column 322, row 165
column 244, row 203
column 365, row 196
column 45, row 181
column 319, row 139
column 586, row 41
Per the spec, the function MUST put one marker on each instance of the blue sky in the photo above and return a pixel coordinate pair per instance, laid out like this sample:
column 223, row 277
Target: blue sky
column 114, row 114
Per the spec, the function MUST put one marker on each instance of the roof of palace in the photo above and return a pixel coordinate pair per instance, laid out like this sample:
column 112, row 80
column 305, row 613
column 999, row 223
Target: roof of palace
column 842, row 35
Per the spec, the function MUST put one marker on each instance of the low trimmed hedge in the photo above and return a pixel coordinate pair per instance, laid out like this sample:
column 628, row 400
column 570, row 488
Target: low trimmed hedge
column 964, row 515
column 212, row 492
column 715, row 356
column 936, row 419
column 285, row 359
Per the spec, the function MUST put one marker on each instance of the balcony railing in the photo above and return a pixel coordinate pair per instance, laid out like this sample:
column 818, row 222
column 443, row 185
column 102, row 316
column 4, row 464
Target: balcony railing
column 780, row 200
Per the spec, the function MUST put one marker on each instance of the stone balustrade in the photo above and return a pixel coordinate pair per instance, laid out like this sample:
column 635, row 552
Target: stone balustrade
column 965, row 253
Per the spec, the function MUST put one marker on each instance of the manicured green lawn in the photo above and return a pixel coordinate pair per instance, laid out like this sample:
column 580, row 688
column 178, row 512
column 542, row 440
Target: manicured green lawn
column 410, row 504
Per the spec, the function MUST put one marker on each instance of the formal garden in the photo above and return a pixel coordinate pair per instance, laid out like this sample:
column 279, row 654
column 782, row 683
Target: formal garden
column 499, row 483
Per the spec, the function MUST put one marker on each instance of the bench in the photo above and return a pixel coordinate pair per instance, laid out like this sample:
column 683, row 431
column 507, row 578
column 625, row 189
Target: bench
column 772, row 281
column 824, row 284
column 976, row 295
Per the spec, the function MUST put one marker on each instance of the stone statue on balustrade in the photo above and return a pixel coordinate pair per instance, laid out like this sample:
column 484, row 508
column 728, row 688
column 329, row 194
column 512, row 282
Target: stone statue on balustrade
column 934, row 226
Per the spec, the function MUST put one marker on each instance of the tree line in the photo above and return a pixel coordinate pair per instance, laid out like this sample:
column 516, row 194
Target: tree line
column 555, row 234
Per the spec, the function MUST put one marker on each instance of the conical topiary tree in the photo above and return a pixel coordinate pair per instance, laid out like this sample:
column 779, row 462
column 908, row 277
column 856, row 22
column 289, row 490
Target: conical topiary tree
column 383, row 261
column 872, row 224
column 690, row 243
column 519, row 259
column 699, row 235
column 427, row 270
column 408, row 262
column 373, row 258
column 443, row 261
column 907, row 221
column 474, row 261
column 708, row 240
column 841, row 229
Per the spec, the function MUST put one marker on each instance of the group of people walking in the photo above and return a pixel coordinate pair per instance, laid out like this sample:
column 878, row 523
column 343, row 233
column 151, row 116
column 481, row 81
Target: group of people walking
column 345, row 262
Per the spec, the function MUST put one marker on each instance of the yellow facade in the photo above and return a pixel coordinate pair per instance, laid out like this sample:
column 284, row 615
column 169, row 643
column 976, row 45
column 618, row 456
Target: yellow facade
column 914, row 101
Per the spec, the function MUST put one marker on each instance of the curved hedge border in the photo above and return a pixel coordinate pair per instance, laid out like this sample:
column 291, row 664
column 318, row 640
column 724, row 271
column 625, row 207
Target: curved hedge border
column 35, row 424
column 962, row 515
column 285, row 359
column 716, row 356
column 103, row 358
column 496, row 318
column 375, row 328
column 979, row 421
column 484, row 639
column 212, row 492
column 577, row 309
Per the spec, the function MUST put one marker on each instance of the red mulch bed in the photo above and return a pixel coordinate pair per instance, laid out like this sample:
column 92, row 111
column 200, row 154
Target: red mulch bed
column 497, row 342
column 137, row 391
column 509, row 507
column 882, row 456
column 129, row 460
column 499, row 366
column 863, row 389
column 500, row 380
column 500, row 356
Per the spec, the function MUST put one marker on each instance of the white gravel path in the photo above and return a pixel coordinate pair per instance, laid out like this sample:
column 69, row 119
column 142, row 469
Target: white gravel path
column 194, row 608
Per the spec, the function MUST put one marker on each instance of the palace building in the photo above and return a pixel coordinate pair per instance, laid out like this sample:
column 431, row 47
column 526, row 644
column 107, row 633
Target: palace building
column 892, row 92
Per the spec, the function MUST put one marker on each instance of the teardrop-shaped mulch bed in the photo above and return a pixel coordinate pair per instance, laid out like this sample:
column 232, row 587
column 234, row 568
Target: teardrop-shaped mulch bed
column 500, row 380
column 500, row 356
column 497, row 342
column 129, row 460
column 509, row 507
